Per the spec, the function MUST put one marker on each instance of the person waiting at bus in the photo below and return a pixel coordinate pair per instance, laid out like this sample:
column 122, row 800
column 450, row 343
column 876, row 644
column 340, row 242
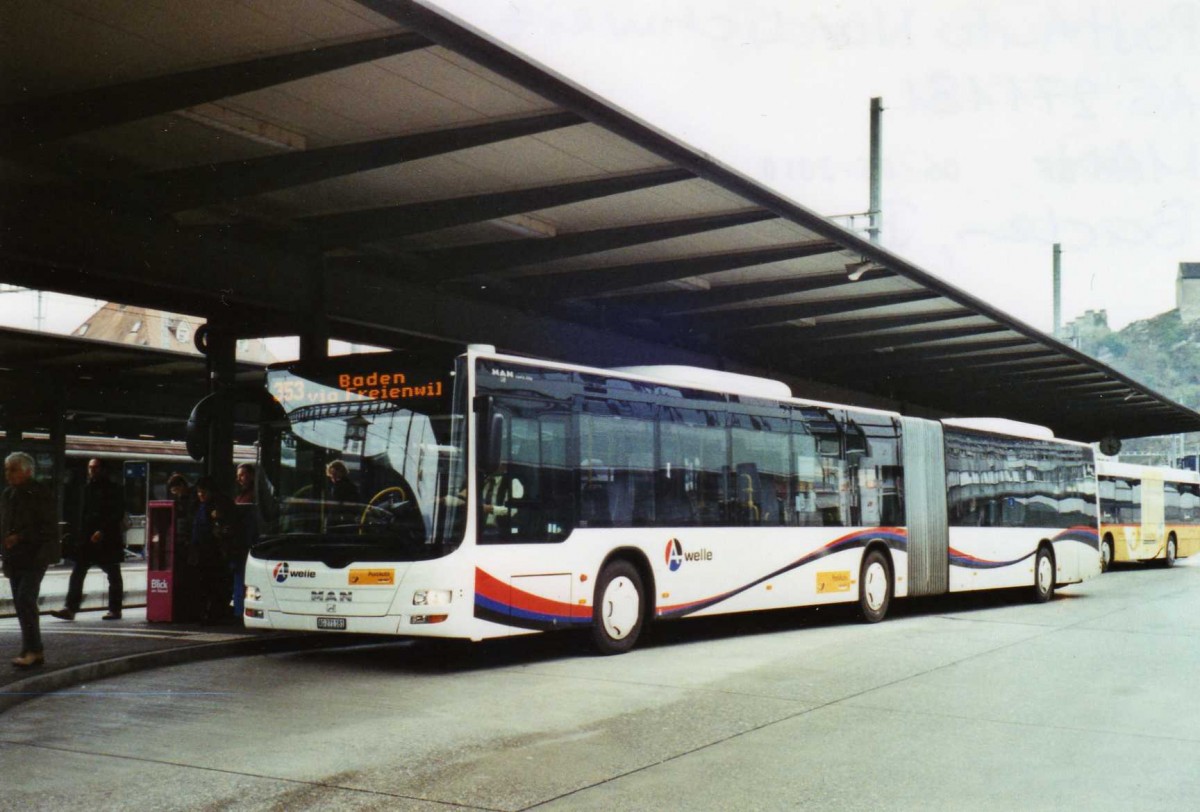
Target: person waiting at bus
column 187, row 560
column 245, row 484
column 214, row 530
column 28, row 546
column 101, row 542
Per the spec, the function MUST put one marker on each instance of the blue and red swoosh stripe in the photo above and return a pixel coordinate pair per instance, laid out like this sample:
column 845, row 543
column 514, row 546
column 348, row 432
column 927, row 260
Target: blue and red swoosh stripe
column 1085, row 535
column 895, row 537
column 503, row 603
column 500, row 602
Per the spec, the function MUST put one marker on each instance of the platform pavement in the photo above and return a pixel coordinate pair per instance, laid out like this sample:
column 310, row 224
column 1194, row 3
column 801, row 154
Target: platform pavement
column 95, row 588
column 89, row 648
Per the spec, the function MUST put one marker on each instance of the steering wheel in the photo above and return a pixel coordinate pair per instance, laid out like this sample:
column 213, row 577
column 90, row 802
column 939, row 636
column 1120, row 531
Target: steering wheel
column 389, row 499
column 296, row 512
column 392, row 508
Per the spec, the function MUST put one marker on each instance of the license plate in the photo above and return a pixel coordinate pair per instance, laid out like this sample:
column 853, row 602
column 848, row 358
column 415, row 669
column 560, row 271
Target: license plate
column 331, row 623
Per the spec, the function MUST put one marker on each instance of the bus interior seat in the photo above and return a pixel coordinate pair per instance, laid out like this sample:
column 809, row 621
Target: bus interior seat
column 620, row 499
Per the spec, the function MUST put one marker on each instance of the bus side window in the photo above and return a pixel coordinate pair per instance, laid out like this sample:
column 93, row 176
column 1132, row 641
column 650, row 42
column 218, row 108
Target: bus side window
column 693, row 466
column 620, row 492
column 530, row 497
column 760, row 445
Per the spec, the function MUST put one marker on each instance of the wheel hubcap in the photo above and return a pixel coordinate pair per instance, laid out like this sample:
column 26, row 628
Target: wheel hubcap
column 875, row 586
column 620, row 608
column 1045, row 573
column 1106, row 554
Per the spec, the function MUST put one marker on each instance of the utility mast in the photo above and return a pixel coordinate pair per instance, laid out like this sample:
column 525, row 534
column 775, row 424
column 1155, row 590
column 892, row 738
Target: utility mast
column 875, row 210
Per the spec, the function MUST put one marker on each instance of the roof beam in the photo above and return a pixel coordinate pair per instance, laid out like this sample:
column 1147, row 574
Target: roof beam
column 747, row 318
column 914, row 361
column 1116, row 386
column 37, row 121
column 884, row 345
column 955, row 362
column 196, row 186
column 859, row 326
column 372, row 225
column 456, row 263
column 682, row 301
column 591, row 282
column 918, row 357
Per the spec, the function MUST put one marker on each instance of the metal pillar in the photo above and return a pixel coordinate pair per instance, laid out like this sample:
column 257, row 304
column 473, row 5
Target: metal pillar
column 1057, row 289
column 58, row 455
column 875, row 211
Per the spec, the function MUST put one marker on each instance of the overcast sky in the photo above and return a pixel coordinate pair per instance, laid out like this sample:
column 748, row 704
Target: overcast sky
column 1009, row 126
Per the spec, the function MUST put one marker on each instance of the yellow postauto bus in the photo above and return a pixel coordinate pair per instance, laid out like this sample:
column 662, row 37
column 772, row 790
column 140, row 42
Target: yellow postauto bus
column 1147, row 513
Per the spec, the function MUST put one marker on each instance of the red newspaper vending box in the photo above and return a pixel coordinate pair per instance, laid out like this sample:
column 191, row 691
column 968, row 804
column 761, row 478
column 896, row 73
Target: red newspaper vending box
column 160, row 561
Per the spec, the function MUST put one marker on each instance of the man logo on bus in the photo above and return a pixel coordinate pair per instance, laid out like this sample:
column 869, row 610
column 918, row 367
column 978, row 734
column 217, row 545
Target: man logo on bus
column 281, row 572
column 674, row 555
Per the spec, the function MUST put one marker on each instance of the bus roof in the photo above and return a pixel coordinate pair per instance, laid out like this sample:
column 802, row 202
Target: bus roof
column 1130, row 470
column 1001, row 425
column 730, row 383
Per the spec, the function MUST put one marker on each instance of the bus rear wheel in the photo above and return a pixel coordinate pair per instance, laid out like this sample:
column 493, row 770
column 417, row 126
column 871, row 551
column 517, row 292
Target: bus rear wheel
column 618, row 608
column 874, row 587
column 1043, row 576
column 1172, row 552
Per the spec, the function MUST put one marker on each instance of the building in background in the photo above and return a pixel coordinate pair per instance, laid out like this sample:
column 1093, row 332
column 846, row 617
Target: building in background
column 1187, row 292
column 157, row 329
column 1085, row 332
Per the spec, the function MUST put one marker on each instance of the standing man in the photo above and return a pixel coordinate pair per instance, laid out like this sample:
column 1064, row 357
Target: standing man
column 245, row 484
column 28, row 545
column 247, row 535
column 101, row 542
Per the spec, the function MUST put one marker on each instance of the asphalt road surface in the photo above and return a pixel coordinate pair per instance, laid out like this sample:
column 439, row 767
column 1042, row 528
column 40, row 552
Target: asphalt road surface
column 984, row 702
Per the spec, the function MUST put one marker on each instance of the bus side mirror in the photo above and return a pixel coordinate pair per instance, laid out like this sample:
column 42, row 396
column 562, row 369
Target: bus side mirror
column 489, row 433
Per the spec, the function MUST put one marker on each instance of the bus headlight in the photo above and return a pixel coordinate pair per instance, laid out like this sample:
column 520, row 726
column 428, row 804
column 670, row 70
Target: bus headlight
column 431, row 597
column 252, row 593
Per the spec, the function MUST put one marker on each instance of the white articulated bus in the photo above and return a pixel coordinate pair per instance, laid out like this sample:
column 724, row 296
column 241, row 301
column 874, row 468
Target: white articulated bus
column 487, row 495
column 1148, row 513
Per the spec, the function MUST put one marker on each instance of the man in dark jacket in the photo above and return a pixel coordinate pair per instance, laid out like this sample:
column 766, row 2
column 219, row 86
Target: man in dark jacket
column 101, row 542
column 28, row 545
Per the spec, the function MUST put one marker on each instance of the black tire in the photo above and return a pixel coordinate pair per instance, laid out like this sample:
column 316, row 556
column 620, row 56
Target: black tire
column 618, row 608
column 1043, row 575
column 874, row 587
column 1171, row 553
column 1106, row 554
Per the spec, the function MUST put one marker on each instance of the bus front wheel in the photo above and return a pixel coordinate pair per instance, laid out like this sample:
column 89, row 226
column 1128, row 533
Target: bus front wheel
column 1043, row 576
column 874, row 587
column 1106, row 554
column 618, row 608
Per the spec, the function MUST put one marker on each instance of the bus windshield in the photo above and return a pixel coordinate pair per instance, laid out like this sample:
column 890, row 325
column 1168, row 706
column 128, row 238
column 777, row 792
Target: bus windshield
column 364, row 459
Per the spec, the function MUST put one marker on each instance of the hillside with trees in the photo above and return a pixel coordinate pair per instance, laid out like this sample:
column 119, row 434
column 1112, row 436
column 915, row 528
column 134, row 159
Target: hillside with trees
column 1163, row 353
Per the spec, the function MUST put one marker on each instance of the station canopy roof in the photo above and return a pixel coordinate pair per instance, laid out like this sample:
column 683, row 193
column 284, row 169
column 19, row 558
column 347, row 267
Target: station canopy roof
column 103, row 387
column 377, row 165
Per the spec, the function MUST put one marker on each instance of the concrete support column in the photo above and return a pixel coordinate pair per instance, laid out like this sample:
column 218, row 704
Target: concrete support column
column 314, row 341
column 222, row 364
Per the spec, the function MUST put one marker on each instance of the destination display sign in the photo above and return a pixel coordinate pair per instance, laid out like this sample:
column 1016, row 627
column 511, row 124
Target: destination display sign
column 378, row 377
